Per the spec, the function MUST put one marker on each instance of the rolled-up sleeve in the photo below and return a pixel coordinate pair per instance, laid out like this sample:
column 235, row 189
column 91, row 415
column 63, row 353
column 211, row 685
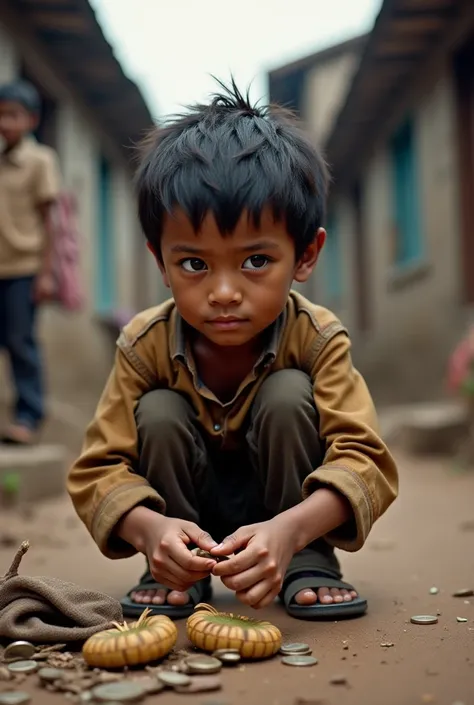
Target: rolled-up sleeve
column 102, row 483
column 357, row 463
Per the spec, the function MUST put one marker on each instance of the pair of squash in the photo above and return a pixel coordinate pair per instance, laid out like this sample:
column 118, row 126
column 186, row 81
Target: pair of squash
column 152, row 638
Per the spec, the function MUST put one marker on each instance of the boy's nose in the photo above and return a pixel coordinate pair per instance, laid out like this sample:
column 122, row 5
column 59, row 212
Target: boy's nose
column 224, row 293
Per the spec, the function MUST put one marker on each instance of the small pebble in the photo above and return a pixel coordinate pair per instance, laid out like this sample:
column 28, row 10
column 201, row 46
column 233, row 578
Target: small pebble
column 461, row 619
column 465, row 592
column 338, row 680
column 434, row 591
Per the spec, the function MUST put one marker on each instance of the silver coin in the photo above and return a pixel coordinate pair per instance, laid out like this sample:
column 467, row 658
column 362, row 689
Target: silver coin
column 434, row 591
column 424, row 619
column 203, row 664
column 293, row 649
column 150, row 684
column 465, row 592
column 23, row 666
column 49, row 675
column 461, row 619
column 123, row 692
column 299, row 660
column 14, row 697
column 19, row 650
column 173, row 678
column 229, row 657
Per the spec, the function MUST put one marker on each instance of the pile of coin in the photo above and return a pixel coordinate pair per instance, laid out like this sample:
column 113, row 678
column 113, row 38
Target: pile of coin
column 297, row 654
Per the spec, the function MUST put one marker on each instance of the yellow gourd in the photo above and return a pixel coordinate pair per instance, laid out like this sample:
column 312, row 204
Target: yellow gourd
column 210, row 630
column 144, row 641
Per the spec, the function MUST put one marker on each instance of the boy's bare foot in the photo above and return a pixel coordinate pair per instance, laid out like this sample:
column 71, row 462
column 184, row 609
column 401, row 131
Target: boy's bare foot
column 325, row 596
column 17, row 434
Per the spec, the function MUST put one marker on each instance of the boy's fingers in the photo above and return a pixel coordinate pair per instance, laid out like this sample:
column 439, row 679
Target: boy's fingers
column 237, row 564
column 234, row 542
column 187, row 561
column 201, row 538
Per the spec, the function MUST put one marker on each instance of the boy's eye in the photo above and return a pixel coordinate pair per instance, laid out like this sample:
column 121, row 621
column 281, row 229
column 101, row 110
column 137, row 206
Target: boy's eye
column 193, row 265
column 256, row 262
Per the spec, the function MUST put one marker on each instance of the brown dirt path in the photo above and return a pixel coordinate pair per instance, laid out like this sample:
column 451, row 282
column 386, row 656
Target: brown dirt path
column 422, row 542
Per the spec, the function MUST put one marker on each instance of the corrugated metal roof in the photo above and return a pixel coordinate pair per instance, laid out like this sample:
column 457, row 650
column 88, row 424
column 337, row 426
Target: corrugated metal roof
column 405, row 35
column 72, row 36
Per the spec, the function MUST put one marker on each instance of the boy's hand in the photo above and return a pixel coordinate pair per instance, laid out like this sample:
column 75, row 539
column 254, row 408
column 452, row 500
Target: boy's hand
column 44, row 287
column 256, row 573
column 165, row 541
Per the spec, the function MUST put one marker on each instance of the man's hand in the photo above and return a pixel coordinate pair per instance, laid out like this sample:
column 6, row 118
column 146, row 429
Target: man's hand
column 256, row 573
column 165, row 541
column 44, row 287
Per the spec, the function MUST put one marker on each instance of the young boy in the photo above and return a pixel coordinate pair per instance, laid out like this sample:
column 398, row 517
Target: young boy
column 233, row 419
column 29, row 185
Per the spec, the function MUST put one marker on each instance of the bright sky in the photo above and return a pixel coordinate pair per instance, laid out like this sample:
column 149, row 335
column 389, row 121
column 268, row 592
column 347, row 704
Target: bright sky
column 171, row 48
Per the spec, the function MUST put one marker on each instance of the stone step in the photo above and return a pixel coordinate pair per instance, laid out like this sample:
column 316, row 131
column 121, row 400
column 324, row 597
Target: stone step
column 31, row 474
column 433, row 429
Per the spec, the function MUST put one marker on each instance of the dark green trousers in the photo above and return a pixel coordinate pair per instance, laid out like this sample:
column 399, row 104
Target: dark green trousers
column 224, row 490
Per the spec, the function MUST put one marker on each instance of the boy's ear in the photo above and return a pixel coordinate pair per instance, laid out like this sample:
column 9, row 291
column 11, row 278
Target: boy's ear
column 160, row 264
column 307, row 262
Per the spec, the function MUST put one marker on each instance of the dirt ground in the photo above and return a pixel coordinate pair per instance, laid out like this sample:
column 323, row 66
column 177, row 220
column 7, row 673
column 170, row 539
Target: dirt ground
column 426, row 540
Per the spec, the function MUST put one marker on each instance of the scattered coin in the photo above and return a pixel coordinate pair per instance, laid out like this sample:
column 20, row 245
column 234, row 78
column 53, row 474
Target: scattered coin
column 124, row 692
column 465, row 592
column 19, row 650
column 338, row 680
column 173, row 678
column 294, row 649
column 203, row 664
column 424, row 619
column 14, row 697
column 49, row 675
column 201, row 684
column 387, row 644
column 150, row 685
column 23, row 666
column 229, row 657
column 461, row 619
column 434, row 591
column 300, row 660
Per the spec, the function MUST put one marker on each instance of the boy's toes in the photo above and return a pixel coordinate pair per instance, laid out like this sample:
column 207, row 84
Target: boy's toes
column 159, row 597
column 178, row 598
column 143, row 596
column 306, row 597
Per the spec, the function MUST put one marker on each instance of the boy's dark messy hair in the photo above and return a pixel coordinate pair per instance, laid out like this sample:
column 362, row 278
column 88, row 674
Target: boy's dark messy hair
column 23, row 93
column 230, row 157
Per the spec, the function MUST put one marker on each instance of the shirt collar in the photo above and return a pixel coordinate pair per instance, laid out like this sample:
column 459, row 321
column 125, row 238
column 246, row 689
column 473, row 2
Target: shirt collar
column 16, row 156
column 178, row 342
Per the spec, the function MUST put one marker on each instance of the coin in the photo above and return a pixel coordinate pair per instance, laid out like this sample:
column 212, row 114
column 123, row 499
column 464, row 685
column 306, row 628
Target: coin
column 424, row 619
column 228, row 657
column 203, row 664
column 434, row 591
column 173, row 678
column 299, row 660
column 294, row 648
column 150, row 685
column 18, row 650
column 465, row 592
column 201, row 684
column 124, row 692
column 23, row 666
column 49, row 675
column 14, row 697
column 461, row 619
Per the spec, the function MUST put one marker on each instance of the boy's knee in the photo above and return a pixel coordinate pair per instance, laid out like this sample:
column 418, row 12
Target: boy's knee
column 284, row 394
column 161, row 411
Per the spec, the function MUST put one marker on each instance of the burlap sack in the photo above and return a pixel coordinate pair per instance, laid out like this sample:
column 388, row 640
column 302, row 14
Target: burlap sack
column 43, row 609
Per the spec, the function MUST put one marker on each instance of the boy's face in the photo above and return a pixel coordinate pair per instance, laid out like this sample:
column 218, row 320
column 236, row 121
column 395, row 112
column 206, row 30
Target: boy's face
column 15, row 122
column 231, row 288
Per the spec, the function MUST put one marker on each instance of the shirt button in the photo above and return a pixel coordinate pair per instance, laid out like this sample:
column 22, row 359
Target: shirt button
column 217, row 427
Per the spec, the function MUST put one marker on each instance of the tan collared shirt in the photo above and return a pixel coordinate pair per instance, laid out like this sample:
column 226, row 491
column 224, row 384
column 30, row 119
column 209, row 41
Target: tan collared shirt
column 29, row 178
column 153, row 353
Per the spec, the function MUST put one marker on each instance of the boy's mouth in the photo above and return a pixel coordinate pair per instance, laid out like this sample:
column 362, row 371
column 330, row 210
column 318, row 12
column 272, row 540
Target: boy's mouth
column 227, row 322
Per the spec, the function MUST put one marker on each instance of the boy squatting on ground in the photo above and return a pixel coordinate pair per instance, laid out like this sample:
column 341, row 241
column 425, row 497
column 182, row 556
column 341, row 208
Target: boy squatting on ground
column 233, row 419
column 29, row 185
